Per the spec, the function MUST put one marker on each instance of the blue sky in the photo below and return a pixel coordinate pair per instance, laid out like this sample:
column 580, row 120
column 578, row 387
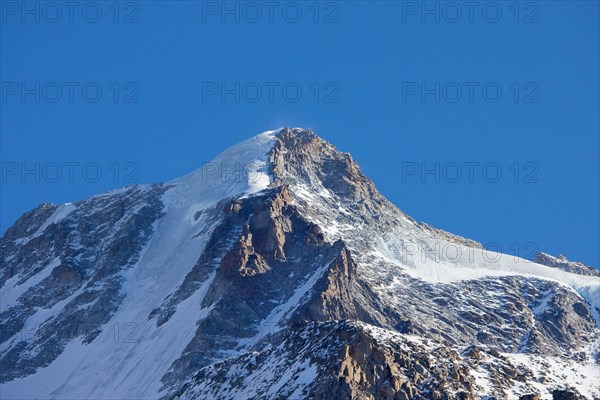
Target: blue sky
column 499, row 89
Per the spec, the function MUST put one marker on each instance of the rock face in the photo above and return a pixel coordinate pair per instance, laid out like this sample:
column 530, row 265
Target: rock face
column 75, row 264
column 290, row 278
column 561, row 262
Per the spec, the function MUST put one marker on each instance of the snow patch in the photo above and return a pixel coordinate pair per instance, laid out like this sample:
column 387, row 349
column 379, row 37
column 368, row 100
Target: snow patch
column 10, row 292
column 58, row 215
column 585, row 377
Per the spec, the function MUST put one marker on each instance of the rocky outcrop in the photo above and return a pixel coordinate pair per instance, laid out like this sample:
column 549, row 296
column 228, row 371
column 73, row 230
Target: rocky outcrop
column 450, row 237
column 375, row 368
column 341, row 360
column 274, row 253
column 346, row 360
column 561, row 262
column 300, row 157
column 340, row 294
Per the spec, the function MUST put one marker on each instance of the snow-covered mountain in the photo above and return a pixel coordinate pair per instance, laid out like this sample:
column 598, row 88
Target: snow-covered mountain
column 278, row 271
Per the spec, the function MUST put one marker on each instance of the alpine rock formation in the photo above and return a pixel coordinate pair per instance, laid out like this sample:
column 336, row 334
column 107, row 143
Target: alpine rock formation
column 278, row 271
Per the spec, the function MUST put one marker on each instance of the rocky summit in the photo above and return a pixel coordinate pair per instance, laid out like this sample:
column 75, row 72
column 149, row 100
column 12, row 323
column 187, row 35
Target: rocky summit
column 278, row 271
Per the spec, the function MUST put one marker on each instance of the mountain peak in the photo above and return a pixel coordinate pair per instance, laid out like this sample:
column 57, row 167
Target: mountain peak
column 270, row 159
column 253, row 264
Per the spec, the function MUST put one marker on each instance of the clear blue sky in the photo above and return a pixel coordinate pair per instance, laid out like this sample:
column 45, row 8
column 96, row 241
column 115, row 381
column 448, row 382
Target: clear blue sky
column 369, row 58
